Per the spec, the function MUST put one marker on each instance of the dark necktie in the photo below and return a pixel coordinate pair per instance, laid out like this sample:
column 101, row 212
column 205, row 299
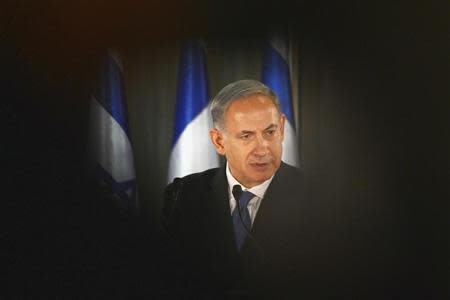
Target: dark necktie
column 242, row 223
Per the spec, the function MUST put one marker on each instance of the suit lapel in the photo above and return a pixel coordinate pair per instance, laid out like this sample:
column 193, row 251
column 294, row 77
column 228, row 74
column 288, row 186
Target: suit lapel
column 267, row 209
column 262, row 226
column 276, row 210
column 221, row 206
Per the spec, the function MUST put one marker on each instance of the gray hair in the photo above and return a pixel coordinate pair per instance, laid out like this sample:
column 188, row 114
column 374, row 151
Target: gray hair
column 234, row 91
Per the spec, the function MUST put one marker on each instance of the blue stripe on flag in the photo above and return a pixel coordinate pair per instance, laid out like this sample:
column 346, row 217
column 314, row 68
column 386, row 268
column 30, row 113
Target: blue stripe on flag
column 109, row 92
column 192, row 92
column 275, row 75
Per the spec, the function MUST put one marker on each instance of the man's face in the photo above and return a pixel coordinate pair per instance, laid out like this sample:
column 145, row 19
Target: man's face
column 251, row 140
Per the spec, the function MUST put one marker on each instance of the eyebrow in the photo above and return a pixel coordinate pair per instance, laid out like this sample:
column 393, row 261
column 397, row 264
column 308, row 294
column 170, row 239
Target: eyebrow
column 271, row 126
column 246, row 132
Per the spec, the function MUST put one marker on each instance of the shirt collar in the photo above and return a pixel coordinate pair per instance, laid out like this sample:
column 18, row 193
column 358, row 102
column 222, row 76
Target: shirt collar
column 258, row 190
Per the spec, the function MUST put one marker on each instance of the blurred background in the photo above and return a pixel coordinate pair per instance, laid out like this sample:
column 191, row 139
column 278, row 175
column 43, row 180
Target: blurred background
column 371, row 109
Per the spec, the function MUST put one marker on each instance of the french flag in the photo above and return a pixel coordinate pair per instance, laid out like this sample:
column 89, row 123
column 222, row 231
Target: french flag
column 109, row 139
column 276, row 75
column 192, row 150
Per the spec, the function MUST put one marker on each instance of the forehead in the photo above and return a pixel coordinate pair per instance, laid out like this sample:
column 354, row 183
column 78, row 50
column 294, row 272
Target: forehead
column 253, row 111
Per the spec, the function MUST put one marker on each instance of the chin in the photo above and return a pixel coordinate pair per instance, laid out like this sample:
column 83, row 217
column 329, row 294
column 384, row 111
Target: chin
column 262, row 170
column 261, row 177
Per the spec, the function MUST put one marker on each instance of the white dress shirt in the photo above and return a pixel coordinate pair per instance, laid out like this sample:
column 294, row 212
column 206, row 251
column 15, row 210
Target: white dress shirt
column 258, row 191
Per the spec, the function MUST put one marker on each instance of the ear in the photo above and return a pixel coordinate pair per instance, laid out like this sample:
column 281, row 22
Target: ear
column 217, row 140
column 282, row 120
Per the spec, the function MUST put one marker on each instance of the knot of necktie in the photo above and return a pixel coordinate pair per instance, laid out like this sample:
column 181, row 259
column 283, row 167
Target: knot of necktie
column 245, row 199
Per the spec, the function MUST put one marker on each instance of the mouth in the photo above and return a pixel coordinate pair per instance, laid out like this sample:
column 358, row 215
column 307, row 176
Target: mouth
column 260, row 166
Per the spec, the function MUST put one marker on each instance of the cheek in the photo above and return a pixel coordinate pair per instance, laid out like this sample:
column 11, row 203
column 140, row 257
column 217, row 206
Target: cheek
column 275, row 149
column 240, row 153
column 277, row 146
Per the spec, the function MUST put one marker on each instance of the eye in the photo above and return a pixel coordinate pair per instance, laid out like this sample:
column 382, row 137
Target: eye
column 244, row 136
column 270, row 132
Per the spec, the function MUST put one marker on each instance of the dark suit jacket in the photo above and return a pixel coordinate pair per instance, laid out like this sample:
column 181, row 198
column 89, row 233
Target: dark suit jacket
column 274, row 258
column 301, row 245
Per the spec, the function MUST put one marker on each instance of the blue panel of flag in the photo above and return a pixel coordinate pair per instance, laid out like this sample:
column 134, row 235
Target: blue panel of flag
column 192, row 91
column 275, row 75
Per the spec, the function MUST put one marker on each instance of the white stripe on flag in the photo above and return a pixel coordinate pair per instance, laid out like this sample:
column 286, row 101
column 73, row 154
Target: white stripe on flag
column 279, row 44
column 290, row 155
column 193, row 152
column 111, row 145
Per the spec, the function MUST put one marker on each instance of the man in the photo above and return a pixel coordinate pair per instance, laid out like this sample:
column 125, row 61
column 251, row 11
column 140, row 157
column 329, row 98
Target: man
column 241, row 228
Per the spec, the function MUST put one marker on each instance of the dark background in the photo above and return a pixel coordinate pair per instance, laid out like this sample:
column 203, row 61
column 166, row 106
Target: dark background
column 373, row 111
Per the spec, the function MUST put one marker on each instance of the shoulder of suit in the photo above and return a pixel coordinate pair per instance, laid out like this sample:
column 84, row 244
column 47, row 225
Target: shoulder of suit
column 289, row 178
column 197, row 178
column 185, row 187
column 288, row 170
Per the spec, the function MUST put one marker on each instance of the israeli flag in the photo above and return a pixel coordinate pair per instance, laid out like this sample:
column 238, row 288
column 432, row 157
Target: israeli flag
column 276, row 75
column 192, row 150
column 109, row 140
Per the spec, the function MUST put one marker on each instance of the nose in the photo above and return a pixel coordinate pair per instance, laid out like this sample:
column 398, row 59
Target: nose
column 261, row 146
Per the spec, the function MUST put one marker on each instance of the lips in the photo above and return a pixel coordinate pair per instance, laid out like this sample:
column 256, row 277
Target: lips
column 260, row 166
